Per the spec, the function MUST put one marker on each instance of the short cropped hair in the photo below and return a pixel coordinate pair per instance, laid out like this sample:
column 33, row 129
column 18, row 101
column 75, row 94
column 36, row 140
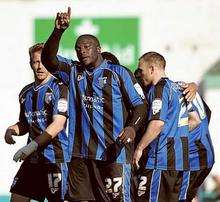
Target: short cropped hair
column 154, row 58
column 89, row 36
column 35, row 48
column 110, row 57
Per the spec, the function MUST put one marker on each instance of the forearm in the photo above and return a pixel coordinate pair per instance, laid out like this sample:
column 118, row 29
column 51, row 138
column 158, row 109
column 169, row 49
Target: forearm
column 153, row 130
column 139, row 114
column 51, row 132
column 50, row 50
column 19, row 128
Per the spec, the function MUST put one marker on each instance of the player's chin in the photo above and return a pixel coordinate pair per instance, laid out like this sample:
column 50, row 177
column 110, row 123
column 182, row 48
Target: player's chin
column 41, row 78
column 86, row 63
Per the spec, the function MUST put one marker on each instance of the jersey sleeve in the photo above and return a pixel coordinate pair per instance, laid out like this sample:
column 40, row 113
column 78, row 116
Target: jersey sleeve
column 134, row 98
column 22, row 117
column 64, row 69
column 198, row 106
column 159, row 103
column 131, row 90
column 61, row 100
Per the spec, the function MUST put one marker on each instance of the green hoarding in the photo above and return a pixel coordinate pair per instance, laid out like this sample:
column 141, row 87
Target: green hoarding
column 117, row 35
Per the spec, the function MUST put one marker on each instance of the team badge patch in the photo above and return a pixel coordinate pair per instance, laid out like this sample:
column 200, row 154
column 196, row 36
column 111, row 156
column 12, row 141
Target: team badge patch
column 62, row 105
column 79, row 77
column 48, row 97
column 139, row 90
column 102, row 81
column 156, row 106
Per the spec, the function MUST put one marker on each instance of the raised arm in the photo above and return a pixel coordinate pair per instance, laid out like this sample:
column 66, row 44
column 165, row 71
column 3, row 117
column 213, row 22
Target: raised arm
column 51, row 47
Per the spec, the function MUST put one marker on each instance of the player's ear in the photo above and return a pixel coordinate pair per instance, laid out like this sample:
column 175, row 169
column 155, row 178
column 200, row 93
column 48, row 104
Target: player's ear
column 99, row 49
column 152, row 69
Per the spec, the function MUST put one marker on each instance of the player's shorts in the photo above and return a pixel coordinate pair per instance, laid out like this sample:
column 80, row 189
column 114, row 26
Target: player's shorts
column 191, row 182
column 158, row 185
column 98, row 180
column 40, row 181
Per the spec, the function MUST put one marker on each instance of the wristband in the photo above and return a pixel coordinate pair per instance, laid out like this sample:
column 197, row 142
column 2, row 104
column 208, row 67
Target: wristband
column 43, row 139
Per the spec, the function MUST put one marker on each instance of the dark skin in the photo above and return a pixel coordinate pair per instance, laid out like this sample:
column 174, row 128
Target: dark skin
column 89, row 54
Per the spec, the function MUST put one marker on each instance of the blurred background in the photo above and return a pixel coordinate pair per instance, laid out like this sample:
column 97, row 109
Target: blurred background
column 186, row 32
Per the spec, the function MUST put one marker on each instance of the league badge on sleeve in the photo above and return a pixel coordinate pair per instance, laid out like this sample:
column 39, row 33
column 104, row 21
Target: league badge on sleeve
column 62, row 105
column 139, row 90
column 156, row 106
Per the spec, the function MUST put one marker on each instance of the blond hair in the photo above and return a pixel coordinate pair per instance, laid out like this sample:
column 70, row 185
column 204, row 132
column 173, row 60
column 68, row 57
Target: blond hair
column 35, row 48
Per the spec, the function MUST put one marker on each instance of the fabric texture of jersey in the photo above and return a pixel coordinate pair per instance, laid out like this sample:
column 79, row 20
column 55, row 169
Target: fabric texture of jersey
column 38, row 104
column 169, row 151
column 101, row 109
column 201, row 153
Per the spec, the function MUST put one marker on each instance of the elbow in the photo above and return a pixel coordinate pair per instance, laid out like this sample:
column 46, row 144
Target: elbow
column 158, row 124
column 49, row 63
column 60, row 127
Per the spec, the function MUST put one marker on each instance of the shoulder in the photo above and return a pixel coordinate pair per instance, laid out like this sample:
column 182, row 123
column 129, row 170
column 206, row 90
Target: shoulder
column 118, row 68
column 121, row 72
column 161, row 86
column 57, row 84
column 26, row 89
column 69, row 62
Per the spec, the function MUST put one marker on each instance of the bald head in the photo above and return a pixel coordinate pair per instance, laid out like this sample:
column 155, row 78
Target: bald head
column 155, row 59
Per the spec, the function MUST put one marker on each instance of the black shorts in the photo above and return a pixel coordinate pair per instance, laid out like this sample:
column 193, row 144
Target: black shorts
column 40, row 181
column 98, row 180
column 171, row 186
column 158, row 185
column 191, row 182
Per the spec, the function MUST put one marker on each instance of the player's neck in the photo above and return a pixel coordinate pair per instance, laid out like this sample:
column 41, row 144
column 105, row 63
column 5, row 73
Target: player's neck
column 158, row 76
column 97, row 63
column 41, row 82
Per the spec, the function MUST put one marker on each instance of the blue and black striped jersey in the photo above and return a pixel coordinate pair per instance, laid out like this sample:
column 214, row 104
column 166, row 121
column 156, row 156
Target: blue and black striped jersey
column 169, row 151
column 103, row 99
column 201, row 153
column 38, row 104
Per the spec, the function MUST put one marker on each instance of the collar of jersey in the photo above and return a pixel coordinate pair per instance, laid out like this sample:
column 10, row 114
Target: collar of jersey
column 102, row 65
column 36, row 88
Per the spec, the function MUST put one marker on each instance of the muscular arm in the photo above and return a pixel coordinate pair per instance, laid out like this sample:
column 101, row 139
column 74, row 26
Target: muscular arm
column 153, row 130
column 17, row 129
column 139, row 114
column 20, row 128
column 50, row 50
column 52, row 130
column 42, row 140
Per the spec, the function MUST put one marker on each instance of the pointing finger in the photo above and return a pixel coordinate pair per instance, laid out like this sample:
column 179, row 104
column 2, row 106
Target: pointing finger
column 69, row 11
